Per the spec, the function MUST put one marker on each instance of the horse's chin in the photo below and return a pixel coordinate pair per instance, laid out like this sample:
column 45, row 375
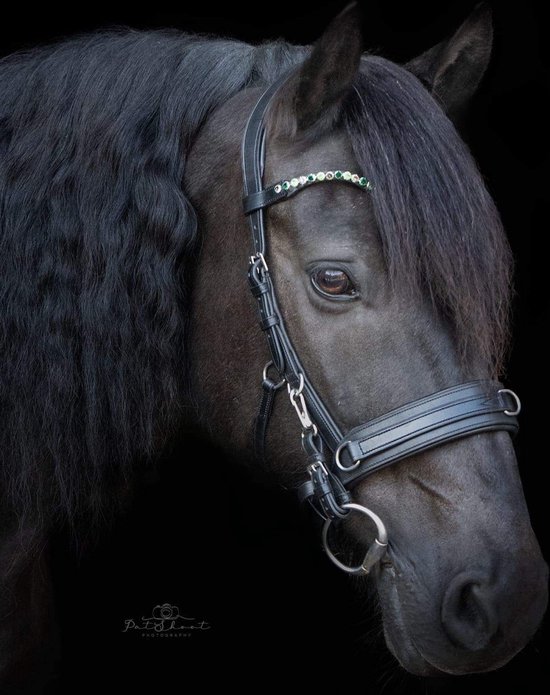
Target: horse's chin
column 397, row 636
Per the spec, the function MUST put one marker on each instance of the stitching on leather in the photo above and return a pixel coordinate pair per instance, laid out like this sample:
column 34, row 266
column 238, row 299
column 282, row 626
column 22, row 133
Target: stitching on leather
column 480, row 410
column 407, row 452
column 427, row 428
column 427, row 399
column 414, row 405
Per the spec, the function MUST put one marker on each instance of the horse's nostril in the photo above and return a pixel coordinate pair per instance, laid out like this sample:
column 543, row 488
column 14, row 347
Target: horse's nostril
column 468, row 613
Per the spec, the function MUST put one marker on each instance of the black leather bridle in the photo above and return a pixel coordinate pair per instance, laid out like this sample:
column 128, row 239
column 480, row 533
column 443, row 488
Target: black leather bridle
column 336, row 461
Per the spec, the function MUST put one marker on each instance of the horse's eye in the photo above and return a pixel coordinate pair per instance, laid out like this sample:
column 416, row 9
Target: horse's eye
column 333, row 282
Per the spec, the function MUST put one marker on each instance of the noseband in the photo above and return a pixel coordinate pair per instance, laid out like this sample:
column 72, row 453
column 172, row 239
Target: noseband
column 337, row 461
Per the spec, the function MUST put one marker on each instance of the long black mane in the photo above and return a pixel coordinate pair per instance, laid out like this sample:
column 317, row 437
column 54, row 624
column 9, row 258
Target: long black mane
column 439, row 227
column 96, row 235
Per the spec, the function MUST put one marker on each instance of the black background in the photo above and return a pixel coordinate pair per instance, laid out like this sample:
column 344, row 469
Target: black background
column 207, row 537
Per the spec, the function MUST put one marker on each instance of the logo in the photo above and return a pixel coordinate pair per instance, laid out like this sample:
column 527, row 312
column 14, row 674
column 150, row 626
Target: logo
column 165, row 620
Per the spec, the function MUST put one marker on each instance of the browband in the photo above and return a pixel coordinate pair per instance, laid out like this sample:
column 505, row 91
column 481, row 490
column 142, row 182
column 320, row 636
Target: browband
column 285, row 189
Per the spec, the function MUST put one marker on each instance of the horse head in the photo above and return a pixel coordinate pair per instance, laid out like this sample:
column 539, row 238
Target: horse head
column 390, row 290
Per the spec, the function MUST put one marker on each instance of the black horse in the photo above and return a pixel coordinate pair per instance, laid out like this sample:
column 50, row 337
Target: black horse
column 126, row 316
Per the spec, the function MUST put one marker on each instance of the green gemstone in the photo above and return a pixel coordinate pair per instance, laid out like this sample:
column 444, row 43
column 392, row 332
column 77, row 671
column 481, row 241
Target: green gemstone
column 311, row 177
column 286, row 185
column 363, row 181
column 338, row 174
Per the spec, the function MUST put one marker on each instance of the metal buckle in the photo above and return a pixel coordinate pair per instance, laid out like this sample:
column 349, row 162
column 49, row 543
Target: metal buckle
column 326, row 499
column 337, row 458
column 259, row 257
column 376, row 550
column 268, row 366
column 315, row 466
column 517, row 411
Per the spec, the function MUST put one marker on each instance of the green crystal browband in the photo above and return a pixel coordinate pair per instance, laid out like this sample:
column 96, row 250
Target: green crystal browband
column 319, row 177
column 282, row 190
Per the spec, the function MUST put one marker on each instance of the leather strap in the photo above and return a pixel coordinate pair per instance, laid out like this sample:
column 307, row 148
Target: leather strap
column 256, row 198
column 253, row 156
column 473, row 407
column 470, row 408
column 264, row 198
column 269, row 391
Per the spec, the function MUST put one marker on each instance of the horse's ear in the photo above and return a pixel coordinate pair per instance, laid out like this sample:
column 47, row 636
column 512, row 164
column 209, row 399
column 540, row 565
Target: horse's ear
column 453, row 69
column 310, row 100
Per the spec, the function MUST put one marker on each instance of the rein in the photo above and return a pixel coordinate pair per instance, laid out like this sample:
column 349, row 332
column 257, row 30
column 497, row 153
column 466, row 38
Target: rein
column 337, row 461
